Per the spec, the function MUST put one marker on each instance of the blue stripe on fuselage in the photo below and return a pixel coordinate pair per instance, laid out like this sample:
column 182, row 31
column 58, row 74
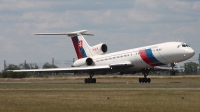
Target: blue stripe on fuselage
column 152, row 57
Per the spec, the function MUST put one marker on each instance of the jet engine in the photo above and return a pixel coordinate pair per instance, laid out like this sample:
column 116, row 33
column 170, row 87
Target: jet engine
column 99, row 49
column 83, row 62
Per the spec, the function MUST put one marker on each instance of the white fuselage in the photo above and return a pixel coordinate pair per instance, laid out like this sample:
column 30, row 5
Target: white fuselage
column 148, row 56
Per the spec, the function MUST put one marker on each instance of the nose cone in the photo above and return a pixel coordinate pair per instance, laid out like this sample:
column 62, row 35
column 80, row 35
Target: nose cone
column 189, row 53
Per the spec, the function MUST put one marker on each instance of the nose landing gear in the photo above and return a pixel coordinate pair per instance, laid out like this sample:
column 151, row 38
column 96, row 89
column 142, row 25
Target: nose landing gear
column 172, row 72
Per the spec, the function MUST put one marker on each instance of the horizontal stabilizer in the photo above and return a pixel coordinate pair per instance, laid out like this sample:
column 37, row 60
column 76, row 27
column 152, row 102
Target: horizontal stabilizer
column 70, row 34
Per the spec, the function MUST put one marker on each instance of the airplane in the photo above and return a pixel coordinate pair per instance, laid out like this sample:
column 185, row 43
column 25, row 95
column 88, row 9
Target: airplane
column 95, row 60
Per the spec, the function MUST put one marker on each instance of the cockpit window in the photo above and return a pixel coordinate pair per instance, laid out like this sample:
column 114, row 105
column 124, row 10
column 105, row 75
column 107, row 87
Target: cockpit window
column 183, row 45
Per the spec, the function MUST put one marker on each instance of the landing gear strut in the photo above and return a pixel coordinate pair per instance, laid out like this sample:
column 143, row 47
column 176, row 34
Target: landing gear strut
column 173, row 71
column 145, row 72
column 90, row 80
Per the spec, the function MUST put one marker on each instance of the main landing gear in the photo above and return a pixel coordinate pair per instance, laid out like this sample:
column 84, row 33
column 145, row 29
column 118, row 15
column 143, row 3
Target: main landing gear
column 90, row 80
column 145, row 72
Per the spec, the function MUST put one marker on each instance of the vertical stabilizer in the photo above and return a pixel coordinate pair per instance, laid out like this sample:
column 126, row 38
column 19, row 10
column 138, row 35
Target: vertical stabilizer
column 81, row 47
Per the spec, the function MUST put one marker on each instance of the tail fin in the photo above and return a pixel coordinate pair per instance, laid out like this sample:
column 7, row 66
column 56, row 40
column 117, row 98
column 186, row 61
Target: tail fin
column 80, row 45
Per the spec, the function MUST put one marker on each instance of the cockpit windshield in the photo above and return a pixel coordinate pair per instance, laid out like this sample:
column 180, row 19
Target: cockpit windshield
column 183, row 45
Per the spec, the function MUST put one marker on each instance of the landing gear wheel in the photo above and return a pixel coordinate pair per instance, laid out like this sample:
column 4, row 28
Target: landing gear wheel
column 148, row 80
column 172, row 72
column 140, row 80
column 93, row 80
column 86, row 81
column 144, row 80
column 90, row 80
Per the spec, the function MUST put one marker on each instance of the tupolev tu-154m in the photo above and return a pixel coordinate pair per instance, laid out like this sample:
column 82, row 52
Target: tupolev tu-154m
column 95, row 60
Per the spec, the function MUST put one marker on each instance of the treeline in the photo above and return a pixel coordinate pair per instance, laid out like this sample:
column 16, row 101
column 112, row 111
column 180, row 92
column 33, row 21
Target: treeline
column 189, row 68
column 9, row 74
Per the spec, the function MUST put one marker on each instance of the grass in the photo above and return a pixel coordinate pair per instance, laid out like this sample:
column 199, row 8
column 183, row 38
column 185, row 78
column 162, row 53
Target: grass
column 99, row 101
column 25, row 97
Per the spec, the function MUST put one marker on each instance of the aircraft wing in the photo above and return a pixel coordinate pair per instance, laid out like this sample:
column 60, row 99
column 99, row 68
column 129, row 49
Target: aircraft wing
column 166, row 68
column 86, row 69
column 66, row 70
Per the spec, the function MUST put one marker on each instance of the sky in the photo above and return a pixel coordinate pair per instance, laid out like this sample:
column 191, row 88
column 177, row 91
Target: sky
column 119, row 24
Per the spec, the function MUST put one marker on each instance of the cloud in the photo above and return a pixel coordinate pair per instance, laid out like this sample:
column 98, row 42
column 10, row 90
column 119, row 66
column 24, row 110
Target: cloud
column 147, row 3
column 14, row 5
column 120, row 24
column 142, row 16
column 183, row 6
column 185, row 30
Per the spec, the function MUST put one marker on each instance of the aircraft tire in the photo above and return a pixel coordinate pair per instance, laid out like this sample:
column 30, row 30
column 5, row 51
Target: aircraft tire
column 148, row 80
column 89, row 80
column 172, row 72
column 139, row 80
column 144, row 80
column 86, row 80
column 94, row 80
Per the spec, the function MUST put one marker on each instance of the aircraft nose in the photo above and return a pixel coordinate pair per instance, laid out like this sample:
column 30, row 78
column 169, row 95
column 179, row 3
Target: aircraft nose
column 189, row 52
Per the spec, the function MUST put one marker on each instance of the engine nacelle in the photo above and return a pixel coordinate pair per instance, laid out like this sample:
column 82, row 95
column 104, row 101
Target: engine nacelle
column 99, row 49
column 83, row 62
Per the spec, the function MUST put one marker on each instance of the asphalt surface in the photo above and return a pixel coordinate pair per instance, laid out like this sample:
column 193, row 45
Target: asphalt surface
column 102, row 83
column 107, row 89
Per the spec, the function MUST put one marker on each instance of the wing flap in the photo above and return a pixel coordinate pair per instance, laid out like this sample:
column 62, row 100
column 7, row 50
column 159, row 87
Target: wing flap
column 166, row 68
column 122, row 64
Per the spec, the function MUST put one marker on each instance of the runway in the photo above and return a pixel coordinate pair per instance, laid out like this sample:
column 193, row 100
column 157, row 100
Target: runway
column 109, row 93
column 100, row 86
column 107, row 89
